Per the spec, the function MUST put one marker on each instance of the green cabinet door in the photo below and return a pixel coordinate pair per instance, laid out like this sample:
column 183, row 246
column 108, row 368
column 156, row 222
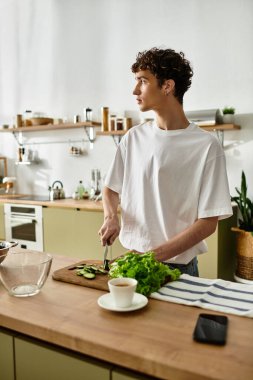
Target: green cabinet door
column 6, row 356
column 2, row 229
column 219, row 261
column 37, row 361
column 75, row 233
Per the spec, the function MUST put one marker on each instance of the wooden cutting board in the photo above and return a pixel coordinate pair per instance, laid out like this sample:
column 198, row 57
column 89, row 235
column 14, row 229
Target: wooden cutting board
column 68, row 274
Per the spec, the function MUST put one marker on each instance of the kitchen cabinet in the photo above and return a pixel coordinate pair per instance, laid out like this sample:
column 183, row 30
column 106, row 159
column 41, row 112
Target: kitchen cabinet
column 23, row 358
column 6, row 356
column 219, row 261
column 74, row 233
column 41, row 361
column 2, row 229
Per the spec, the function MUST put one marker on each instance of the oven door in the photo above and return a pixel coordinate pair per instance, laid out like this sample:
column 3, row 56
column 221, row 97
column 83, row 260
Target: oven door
column 25, row 230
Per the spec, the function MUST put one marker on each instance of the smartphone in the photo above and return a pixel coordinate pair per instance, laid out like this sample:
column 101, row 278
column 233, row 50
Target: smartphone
column 211, row 328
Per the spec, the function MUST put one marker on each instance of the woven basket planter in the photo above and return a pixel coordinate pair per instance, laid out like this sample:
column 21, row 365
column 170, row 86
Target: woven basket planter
column 244, row 257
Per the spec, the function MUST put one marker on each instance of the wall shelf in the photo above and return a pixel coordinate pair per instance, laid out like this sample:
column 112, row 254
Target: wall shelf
column 111, row 133
column 88, row 127
column 51, row 127
column 93, row 124
column 218, row 128
column 215, row 127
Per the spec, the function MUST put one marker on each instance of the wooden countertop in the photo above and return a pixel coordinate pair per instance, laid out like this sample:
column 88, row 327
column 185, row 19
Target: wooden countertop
column 156, row 340
column 84, row 204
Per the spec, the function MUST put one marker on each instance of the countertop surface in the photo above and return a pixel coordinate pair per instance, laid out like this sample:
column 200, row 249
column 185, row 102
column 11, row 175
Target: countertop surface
column 156, row 340
column 84, row 204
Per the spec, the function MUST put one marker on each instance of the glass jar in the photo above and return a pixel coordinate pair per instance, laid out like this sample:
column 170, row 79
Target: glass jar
column 27, row 118
column 105, row 118
column 119, row 124
column 112, row 125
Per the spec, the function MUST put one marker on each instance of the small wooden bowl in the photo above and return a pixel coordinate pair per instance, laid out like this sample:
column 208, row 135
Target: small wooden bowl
column 41, row 120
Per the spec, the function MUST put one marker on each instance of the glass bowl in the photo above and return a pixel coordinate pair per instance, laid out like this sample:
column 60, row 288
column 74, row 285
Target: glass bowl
column 24, row 273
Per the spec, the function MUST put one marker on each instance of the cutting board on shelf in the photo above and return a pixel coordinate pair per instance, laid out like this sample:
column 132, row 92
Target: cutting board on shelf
column 68, row 274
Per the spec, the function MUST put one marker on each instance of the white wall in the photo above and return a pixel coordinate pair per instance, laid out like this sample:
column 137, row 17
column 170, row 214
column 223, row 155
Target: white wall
column 59, row 56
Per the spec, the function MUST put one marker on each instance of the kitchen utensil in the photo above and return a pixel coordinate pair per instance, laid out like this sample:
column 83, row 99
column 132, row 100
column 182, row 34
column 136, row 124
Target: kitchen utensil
column 106, row 262
column 5, row 246
column 24, row 273
column 55, row 192
column 9, row 184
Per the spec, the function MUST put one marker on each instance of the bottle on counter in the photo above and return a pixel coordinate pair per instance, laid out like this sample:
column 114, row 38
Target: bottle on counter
column 80, row 190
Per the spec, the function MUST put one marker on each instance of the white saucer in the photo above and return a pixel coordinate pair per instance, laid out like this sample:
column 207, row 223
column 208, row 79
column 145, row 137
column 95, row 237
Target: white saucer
column 107, row 303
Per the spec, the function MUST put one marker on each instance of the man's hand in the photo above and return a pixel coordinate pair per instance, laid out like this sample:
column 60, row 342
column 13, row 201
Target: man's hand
column 109, row 230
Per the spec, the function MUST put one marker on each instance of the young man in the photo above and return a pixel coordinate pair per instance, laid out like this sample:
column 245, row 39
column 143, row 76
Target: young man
column 169, row 176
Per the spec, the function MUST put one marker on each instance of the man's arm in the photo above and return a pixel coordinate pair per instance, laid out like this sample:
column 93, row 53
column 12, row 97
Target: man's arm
column 110, row 228
column 186, row 239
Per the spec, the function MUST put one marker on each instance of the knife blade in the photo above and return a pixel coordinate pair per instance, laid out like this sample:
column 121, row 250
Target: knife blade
column 106, row 262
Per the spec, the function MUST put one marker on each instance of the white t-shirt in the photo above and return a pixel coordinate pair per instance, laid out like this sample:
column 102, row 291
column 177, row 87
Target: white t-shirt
column 167, row 179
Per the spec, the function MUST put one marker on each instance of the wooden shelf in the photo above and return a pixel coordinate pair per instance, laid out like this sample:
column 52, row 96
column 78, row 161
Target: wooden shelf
column 51, row 127
column 216, row 127
column 111, row 133
column 93, row 124
column 220, row 127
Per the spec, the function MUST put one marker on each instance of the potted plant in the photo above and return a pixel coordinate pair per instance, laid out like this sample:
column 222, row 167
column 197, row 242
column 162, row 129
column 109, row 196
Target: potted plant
column 244, row 233
column 228, row 115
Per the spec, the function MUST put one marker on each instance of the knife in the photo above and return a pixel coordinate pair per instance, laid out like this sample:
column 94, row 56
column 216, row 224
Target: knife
column 106, row 262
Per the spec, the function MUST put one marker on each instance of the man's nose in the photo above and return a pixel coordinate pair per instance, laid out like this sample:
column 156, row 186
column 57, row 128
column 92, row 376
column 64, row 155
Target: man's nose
column 136, row 90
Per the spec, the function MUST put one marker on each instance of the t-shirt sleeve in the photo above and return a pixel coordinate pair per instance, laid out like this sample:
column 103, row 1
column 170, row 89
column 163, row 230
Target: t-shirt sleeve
column 214, row 197
column 115, row 175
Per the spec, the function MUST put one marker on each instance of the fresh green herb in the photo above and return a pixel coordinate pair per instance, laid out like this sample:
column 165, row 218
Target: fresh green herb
column 150, row 273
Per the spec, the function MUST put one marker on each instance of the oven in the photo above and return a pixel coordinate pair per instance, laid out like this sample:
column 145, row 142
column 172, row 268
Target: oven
column 23, row 223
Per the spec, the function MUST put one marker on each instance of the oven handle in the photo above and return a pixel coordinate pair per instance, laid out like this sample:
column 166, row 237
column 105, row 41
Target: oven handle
column 22, row 219
column 17, row 215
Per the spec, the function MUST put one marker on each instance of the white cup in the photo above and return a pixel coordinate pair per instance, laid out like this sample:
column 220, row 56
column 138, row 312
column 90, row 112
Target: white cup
column 122, row 290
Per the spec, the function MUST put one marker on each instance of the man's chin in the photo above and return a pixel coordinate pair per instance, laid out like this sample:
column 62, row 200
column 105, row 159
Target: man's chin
column 144, row 108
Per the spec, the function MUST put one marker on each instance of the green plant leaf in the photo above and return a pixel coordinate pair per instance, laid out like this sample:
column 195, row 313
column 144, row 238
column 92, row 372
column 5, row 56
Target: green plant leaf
column 245, row 205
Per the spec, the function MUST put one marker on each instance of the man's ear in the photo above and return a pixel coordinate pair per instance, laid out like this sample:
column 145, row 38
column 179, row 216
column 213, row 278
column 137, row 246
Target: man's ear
column 169, row 86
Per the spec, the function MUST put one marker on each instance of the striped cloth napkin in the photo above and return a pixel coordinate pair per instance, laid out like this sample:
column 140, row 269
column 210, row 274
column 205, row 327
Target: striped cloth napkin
column 219, row 295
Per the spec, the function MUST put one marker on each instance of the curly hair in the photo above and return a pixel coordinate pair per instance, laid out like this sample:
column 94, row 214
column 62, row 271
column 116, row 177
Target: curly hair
column 166, row 64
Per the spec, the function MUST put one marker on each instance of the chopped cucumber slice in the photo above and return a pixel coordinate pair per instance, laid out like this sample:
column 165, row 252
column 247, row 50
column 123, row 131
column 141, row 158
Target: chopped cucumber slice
column 89, row 275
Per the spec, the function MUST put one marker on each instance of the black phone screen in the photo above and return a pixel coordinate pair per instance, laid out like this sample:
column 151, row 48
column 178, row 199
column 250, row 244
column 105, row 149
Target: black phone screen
column 211, row 328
